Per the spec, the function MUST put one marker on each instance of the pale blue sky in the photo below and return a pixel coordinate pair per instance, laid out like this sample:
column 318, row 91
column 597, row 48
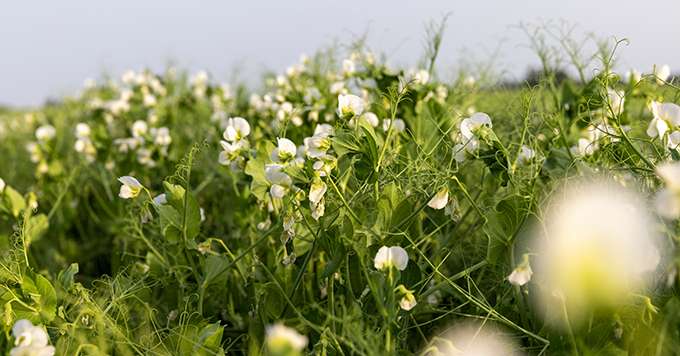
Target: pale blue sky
column 47, row 48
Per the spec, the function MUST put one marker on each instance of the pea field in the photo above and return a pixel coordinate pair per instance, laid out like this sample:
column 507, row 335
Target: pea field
column 347, row 206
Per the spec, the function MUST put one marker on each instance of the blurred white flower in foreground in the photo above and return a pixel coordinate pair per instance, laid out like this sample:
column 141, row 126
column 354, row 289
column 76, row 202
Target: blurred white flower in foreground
column 282, row 340
column 130, row 188
column 440, row 199
column 30, row 340
column 349, row 106
column 667, row 201
column 2, row 185
column 521, row 275
column 387, row 257
column 472, row 339
column 596, row 244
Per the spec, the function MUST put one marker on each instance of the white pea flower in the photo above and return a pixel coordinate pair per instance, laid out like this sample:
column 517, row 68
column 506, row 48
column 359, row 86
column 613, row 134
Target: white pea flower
column 237, row 129
column 459, row 150
column 398, row 125
column 387, row 257
column 160, row 199
column 144, row 157
column 469, row 126
column 317, row 146
column 665, row 116
column 371, row 119
column 584, row 147
column 422, row 77
column 440, row 199
column 200, row 78
column 139, row 128
column 348, row 67
column 231, row 152
column 442, row 93
column 283, row 340
column 285, row 151
column 408, row 302
column 324, row 130
column 84, row 145
column 667, row 200
column 162, row 136
column 317, row 190
column 30, row 340
column 2, row 185
column 350, row 106
column 130, row 188
column 45, row 133
column 521, row 275
column 616, row 101
column 674, row 140
column 662, row 73
column 149, row 100
column 285, row 110
column 419, row 76
column 337, row 88
column 318, row 209
column 657, row 128
column 82, row 130
column 325, row 165
column 128, row 77
column 633, row 76
column 526, row 155
column 280, row 181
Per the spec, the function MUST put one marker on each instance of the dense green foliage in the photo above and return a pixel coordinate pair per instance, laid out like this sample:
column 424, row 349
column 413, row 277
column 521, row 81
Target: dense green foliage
column 206, row 271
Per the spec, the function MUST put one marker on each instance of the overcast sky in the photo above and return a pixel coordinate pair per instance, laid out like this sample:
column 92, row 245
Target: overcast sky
column 47, row 48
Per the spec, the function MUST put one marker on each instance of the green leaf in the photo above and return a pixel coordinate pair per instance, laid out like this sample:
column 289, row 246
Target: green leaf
column 14, row 201
column 170, row 222
column 193, row 217
column 213, row 267
column 66, row 276
column 42, row 293
column 209, row 339
column 36, row 227
column 496, row 160
column 255, row 169
column 504, row 222
column 336, row 251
